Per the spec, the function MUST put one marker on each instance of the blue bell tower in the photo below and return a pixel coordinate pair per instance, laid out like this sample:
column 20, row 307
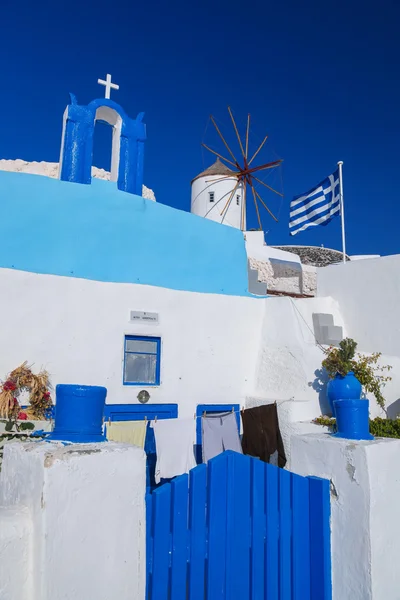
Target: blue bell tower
column 128, row 140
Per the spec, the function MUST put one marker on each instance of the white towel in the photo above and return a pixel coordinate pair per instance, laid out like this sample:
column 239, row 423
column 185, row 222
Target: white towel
column 174, row 445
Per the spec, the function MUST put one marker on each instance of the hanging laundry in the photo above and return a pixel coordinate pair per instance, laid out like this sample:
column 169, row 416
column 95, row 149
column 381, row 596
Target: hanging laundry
column 128, row 432
column 261, row 433
column 219, row 433
column 175, row 447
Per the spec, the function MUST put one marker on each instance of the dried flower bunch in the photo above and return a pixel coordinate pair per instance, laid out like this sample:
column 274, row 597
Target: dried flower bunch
column 38, row 387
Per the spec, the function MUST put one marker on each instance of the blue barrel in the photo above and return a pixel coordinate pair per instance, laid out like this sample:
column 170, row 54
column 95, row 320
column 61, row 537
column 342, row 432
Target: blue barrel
column 352, row 419
column 79, row 414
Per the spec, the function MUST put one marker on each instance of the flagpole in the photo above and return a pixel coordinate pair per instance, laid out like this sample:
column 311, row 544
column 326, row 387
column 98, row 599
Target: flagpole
column 340, row 164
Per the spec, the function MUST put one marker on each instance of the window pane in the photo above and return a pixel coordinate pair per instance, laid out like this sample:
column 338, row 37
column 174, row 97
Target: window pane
column 140, row 368
column 140, row 346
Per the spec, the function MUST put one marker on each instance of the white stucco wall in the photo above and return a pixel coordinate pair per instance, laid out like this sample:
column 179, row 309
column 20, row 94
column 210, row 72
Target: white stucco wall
column 289, row 359
column 16, row 553
column 87, row 509
column 368, row 293
column 365, row 527
column 75, row 328
column 222, row 186
column 288, row 355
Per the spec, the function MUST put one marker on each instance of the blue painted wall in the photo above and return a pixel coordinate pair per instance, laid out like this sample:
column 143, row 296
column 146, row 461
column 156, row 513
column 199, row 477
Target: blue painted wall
column 98, row 232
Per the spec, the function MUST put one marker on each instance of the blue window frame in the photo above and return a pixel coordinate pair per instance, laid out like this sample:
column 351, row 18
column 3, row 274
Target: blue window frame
column 142, row 357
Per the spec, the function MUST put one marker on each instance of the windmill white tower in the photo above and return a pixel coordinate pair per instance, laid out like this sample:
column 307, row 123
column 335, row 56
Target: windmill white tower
column 211, row 191
column 220, row 192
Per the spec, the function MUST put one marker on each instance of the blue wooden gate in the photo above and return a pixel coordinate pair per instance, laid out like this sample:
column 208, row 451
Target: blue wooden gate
column 239, row 529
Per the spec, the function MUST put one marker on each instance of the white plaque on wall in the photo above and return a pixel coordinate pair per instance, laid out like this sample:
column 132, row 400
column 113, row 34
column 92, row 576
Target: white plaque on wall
column 143, row 317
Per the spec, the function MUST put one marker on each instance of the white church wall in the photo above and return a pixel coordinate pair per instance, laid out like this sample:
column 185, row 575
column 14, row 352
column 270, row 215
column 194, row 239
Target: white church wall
column 75, row 328
column 368, row 293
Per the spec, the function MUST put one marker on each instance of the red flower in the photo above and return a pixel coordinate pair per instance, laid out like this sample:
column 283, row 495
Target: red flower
column 9, row 386
column 22, row 416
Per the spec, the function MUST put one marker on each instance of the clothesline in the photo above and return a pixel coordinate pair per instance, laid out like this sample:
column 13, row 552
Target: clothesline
column 175, row 439
column 204, row 414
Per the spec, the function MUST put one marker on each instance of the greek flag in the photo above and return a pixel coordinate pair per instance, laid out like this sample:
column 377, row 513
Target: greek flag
column 317, row 207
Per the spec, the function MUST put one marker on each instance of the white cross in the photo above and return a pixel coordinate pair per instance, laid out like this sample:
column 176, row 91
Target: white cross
column 108, row 85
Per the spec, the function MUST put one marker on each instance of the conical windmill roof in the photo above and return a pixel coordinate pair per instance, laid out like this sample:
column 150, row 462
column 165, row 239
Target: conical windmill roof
column 218, row 168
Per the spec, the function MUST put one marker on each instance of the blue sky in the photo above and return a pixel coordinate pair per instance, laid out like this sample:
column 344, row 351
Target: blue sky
column 321, row 78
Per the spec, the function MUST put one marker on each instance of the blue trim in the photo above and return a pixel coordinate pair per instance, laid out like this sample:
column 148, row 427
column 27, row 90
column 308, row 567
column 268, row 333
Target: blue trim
column 212, row 408
column 137, row 412
column 157, row 354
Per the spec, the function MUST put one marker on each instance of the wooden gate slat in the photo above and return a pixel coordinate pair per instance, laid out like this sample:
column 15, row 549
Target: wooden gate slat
column 285, row 534
column 272, row 533
column 217, row 508
column 301, row 538
column 197, row 526
column 161, row 543
column 179, row 499
column 149, row 543
column 320, row 539
column 258, row 530
column 238, row 527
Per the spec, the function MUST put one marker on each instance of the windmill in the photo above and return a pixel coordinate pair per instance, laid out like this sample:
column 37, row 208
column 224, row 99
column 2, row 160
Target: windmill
column 241, row 174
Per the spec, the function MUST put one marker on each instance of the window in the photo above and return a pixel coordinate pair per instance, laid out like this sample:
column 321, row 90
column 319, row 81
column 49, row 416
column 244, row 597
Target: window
column 142, row 360
column 238, row 200
column 211, row 196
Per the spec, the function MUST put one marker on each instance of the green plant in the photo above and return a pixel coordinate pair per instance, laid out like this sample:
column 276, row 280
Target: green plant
column 387, row 428
column 13, row 424
column 369, row 373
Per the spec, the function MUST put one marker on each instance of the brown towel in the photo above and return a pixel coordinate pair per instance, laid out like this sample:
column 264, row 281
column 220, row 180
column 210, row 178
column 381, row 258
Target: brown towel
column 261, row 433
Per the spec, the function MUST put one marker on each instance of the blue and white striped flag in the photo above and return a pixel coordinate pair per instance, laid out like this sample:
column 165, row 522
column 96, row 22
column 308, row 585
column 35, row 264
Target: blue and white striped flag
column 317, row 207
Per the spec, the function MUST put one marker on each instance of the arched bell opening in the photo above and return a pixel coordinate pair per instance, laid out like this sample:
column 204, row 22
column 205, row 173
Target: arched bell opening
column 109, row 116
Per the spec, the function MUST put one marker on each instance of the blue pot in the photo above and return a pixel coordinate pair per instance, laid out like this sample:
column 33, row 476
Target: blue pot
column 343, row 387
column 79, row 414
column 352, row 419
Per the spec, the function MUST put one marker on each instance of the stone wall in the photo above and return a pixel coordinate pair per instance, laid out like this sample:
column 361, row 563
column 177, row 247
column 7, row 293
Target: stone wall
column 285, row 277
column 314, row 255
column 50, row 169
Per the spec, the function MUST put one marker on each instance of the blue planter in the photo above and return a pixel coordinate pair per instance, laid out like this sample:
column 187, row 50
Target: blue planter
column 352, row 419
column 343, row 387
column 79, row 414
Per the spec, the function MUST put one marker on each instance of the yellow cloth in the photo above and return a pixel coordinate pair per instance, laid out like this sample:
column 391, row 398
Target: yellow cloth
column 128, row 432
